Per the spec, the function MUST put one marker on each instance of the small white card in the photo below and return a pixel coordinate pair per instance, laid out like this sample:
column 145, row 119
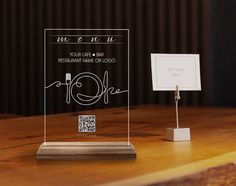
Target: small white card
column 169, row 70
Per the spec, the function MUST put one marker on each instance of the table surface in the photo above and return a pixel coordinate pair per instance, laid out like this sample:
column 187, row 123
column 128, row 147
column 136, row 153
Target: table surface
column 213, row 142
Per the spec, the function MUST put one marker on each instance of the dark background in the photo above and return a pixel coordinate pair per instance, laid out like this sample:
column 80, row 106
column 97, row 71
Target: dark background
column 160, row 26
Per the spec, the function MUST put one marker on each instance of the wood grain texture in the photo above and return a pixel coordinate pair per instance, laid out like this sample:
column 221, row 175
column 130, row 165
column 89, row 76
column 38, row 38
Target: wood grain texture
column 86, row 151
column 213, row 132
column 208, row 172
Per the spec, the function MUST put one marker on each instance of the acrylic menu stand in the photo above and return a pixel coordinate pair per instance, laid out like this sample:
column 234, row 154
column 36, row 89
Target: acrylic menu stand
column 80, row 69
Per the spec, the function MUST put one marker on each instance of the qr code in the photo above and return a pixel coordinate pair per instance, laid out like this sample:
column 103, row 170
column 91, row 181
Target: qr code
column 87, row 123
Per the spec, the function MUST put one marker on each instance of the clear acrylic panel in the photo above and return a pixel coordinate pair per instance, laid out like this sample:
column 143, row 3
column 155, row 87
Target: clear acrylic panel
column 86, row 85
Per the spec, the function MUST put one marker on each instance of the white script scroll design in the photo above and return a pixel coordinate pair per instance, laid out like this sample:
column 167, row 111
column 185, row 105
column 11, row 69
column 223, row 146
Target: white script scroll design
column 103, row 88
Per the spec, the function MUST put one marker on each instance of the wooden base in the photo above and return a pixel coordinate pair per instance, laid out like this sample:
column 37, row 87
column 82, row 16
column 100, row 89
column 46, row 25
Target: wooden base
column 85, row 150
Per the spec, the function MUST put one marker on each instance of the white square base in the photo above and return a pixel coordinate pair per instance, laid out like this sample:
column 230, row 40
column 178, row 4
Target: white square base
column 178, row 134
